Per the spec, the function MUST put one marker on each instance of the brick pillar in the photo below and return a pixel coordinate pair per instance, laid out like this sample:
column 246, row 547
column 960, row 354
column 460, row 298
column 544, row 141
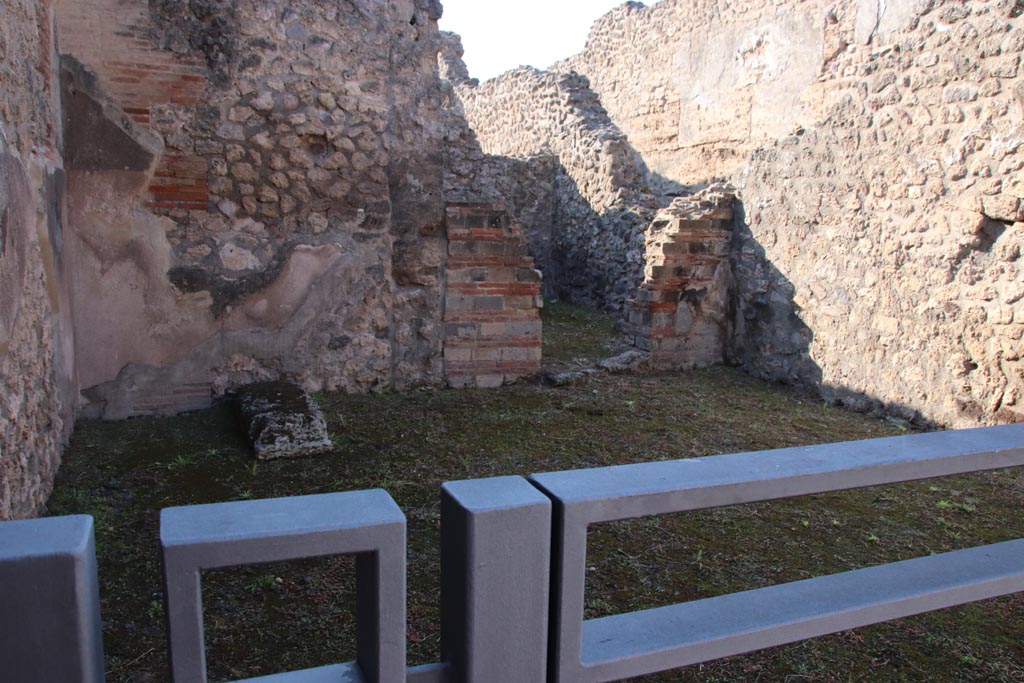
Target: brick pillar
column 492, row 301
column 681, row 311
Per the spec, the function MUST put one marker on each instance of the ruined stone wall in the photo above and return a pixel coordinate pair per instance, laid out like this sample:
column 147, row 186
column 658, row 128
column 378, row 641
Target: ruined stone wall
column 881, row 254
column 293, row 224
column 875, row 150
column 601, row 205
column 36, row 365
column 499, row 222
column 522, row 186
column 697, row 85
column 119, row 42
column 682, row 314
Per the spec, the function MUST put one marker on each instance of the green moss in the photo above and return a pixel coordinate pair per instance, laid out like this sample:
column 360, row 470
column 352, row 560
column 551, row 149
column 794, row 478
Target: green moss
column 572, row 333
column 281, row 617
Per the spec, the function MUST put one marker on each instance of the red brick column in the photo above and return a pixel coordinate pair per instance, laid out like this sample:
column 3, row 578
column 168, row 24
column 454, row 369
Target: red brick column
column 492, row 301
column 681, row 312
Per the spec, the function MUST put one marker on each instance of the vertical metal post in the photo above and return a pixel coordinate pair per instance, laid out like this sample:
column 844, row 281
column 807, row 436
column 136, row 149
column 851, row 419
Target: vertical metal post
column 49, row 602
column 495, row 580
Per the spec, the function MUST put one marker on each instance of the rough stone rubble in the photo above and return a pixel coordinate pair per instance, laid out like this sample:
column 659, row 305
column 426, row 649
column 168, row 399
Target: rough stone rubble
column 282, row 420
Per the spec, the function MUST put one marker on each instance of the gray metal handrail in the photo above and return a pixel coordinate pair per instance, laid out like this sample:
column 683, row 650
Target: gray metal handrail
column 638, row 643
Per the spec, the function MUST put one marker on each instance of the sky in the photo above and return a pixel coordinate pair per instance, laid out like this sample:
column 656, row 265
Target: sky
column 499, row 36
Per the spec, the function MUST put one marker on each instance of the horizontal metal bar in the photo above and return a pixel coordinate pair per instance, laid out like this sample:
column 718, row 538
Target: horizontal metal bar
column 638, row 643
column 429, row 673
column 246, row 520
column 625, row 491
column 45, row 538
column 336, row 673
column 351, row 673
column 586, row 497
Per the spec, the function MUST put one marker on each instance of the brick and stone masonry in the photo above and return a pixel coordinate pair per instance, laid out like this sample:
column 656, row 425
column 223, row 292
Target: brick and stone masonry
column 492, row 302
column 152, row 84
column 681, row 312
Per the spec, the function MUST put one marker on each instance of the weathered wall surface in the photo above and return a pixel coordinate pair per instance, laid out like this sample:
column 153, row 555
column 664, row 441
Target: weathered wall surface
column 36, row 375
column 875, row 149
column 882, row 256
column 293, row 224
column 601, row 205
column 523, row 186
column 697, row 85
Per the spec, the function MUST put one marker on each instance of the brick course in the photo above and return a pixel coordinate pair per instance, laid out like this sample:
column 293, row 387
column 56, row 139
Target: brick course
column 492, row 324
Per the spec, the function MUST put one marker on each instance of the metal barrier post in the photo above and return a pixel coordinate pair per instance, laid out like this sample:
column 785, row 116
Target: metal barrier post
column 495, row 578
column 49, row 602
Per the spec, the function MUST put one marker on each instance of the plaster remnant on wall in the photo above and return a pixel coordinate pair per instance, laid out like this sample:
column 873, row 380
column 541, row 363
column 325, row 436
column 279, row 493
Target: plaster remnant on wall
column 98, row 135
column 285, row 143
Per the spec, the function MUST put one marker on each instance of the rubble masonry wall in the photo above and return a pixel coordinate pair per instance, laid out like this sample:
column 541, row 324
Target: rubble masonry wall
column 594, row 255
column 293, row 225
column 876, row 151
column 37, row 392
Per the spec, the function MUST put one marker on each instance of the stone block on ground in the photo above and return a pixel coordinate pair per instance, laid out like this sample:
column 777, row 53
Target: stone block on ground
column 282, row 420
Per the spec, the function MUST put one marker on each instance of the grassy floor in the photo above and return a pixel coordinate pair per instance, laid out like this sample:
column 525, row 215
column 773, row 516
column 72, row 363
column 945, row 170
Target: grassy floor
column 280, row 617
column 576, row 336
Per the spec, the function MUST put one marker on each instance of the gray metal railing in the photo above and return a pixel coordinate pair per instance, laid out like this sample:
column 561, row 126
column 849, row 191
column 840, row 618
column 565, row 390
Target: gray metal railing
column 627, row 645
column 504, row 543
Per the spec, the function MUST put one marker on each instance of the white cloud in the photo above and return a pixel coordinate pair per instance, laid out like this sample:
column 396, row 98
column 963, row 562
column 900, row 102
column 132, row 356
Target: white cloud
column 499, row 36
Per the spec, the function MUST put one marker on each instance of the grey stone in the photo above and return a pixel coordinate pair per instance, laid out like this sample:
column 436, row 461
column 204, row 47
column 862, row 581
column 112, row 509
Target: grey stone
column 567, row 377
column 296, row 31
column 282, row 420
column 625, row 362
